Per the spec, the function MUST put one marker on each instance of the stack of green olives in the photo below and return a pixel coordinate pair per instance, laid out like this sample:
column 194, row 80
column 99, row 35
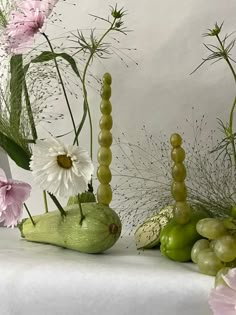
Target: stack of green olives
column 104, row 192
column 216, row 252
column 182, row 210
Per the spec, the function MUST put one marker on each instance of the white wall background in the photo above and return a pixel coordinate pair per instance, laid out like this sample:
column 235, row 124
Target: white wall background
column 159, row 92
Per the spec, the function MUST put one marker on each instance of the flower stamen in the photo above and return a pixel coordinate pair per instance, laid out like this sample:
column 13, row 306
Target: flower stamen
column 64, row 161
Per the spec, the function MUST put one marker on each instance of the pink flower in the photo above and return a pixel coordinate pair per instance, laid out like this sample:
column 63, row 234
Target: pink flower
column 12, row 196
column 25, row 22
column 223, row 298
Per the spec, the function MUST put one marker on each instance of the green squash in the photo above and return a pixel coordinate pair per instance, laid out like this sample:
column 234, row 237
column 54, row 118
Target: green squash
column 98, row 231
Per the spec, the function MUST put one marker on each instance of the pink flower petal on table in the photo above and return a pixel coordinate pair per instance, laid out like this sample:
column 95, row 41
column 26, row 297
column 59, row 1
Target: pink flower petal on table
column 222, row 299
column 230, row 278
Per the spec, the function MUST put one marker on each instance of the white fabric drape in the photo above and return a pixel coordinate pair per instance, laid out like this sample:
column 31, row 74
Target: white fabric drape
column 41, row 279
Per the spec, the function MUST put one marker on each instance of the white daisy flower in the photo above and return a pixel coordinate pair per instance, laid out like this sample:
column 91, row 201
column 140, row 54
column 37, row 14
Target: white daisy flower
column 62, row 171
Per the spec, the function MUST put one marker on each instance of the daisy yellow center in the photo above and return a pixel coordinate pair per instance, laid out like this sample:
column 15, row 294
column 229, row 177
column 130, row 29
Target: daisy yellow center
column 64, row 161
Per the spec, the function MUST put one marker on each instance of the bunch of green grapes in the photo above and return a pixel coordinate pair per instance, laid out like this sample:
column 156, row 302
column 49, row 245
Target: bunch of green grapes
column 216, row 252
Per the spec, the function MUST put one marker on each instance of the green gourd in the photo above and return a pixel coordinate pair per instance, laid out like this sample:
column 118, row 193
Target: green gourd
column 97, row 232
column 104, row 193
column 182, row 210
column 100, row 227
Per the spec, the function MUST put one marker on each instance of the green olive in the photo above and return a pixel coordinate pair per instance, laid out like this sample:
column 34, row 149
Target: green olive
column 107, row 79
column 104, row 194
column 182, row 212
column 106, row 92
column 179, row 172
column 106, row 122
column 179, row 191
column 104, row 174
column 106, row 107
column 178, row 155
column 105, row 138
column 175, row 140
column 104, row 156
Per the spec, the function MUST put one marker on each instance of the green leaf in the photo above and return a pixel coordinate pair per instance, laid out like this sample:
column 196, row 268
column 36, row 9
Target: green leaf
column 17, row 76
column 15, row 151
column 49, row 56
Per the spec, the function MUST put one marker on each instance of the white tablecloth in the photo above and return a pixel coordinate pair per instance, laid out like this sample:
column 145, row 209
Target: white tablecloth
column 40, row 279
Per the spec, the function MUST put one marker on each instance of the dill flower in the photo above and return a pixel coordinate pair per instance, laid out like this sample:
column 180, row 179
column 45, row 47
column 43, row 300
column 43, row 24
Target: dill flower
column 25, row 22
column 62, row 171
column 12, row 196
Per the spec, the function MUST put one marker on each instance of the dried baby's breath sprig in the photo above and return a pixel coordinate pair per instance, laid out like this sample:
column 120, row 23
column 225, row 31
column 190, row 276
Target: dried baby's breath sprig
column 143, row 171
column 143, row 177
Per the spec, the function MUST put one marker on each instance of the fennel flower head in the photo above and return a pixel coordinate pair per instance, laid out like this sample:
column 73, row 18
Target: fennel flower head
column 25, row 21
column 222, row 299
column 62, row 170
column 12, row 196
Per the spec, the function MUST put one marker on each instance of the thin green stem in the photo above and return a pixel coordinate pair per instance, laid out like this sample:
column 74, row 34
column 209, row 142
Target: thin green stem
column 62, row 84
column 83, row 81
column 231, row 116
column 231, row 133
column 45, row 201
column 30, row 216
column 57, row 203
column 80, row 210
column 226, row 57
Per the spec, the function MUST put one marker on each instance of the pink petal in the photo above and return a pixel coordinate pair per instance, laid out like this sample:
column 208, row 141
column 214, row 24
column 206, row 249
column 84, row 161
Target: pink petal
column 26, row 22
column 12, row 216
column 222, row 301
column 230, row 278
column 3, row 202
column 18, row 193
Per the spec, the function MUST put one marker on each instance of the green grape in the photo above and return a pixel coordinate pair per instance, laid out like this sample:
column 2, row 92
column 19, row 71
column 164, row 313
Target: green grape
column 106, row 107
column 107, row 79
column 106, row 122
column 179, row 172
column 229, row 223
column 178, row 155
column 175, row 140
column 212, row 244
column 231, row 264
column 179, row 191
column 104, row 174
column 211, row 228
column 197, row 247
column 106, row 92
column 225, row 248
column 233, row 211
column 105, row 138
column 104, row 156
column 208, row 263
column 218, row 279
column 182, row 212
column 104, row 194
